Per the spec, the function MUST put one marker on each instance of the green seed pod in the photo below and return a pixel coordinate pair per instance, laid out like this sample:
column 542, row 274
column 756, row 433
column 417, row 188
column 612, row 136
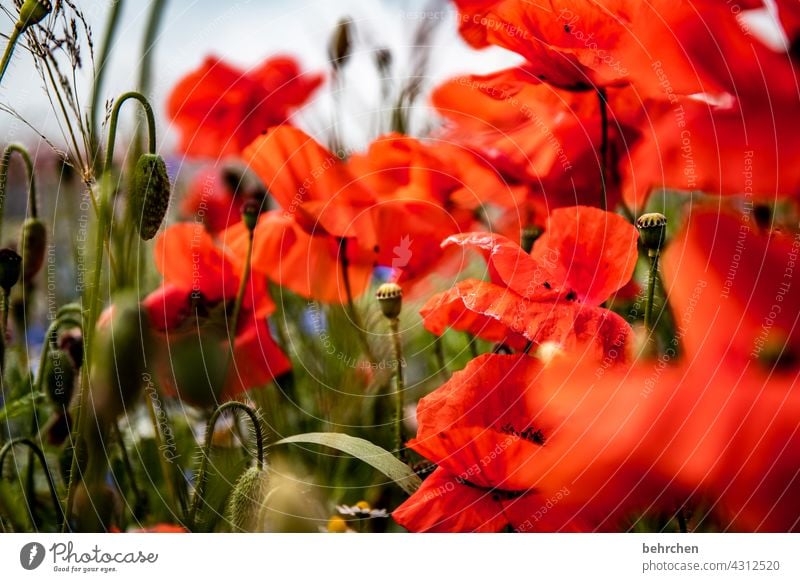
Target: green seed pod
column 120, row 349
column 33, row 12
column 10, row 268
column 246, row 500
column 150, row 192
column 33, row 242
column 390, row 298
column 652, row 231
column 59, row 377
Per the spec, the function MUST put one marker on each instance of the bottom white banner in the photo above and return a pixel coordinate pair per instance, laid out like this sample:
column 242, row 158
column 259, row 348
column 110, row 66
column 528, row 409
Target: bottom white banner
column 371, row 557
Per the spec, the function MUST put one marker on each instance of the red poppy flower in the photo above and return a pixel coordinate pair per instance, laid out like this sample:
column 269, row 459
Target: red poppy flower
column 200, row 277
column 392, row 205
column 478, row 430
column 554, row 293
column 582, row 45
column 220, row 109
column 215, row 197
column 730, row 284
column 717, row 437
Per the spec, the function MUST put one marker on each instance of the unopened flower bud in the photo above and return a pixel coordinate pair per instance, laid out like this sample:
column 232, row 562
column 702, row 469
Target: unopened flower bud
column 10, row 269
column 150, row 194
column 528, row 236
column 33, row 244
column 246, row 500
column 250, row 211
column 652, row 231
column 33, row 12
column 390, row 298
column 59, row 377
column 341, row 44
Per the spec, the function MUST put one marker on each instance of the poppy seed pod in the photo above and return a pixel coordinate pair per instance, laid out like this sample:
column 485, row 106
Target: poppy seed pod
column 390, row 298
column 652, row 229
column 33, row 243
column 150, row 192
column 10, row 269
column 250, row 211
column 33, row 12
column 528, row 236
column 120, row 349
column 244, row 505
column 341, row 44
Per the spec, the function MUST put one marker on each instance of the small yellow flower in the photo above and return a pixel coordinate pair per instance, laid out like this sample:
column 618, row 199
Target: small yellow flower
column 337, row 524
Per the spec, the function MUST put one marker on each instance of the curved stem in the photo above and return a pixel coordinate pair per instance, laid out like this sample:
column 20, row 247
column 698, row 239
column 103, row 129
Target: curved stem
column 112, row 126
column 4, row 163
column 205, row 453
column 43, row 462
column 399, row 390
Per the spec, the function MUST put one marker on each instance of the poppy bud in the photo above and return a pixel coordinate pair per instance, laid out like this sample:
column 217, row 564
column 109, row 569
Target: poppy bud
column 250, row 212
column 383, row 59
column 95, row 507
column 33, row 242
column 10, row 268
column 341, row 44
column 150, row 192
column 528, row 236
column 390, row 298
column 120, row 348
column 33, row 12
column 246, row 500
column 652, row 231
column 71, row 342
column 59, row 377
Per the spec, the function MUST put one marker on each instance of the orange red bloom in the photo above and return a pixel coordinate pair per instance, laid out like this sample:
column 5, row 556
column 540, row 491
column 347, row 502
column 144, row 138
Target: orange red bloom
column 220, row 109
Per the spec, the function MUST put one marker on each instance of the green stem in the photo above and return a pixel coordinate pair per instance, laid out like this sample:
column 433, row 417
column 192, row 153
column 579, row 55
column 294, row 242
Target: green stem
column 4, row 163
column 351, row 308
column 603, row 103
column 99, row 77
column 651, row 288
column 12, row 42
column 43, row 462
column 206, row 451
column 126, row 461
column 169, row 477
column 399, row 391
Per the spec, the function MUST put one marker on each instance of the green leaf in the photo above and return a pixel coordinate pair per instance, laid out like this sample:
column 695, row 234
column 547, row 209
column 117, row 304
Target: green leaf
column 20, row 407
column 370, row 453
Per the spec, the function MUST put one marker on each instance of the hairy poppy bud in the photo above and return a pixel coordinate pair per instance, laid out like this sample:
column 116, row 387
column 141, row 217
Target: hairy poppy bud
column 59, row 377
column 33, row 243
column 120, row 348
column 10, row 268
column 250, row 212
column 33, row 12
column 96, row 507
column 528, row 236
column 652, row 231
column 244, row 506
column 390, row 298
column 341, row 44
column 150, row 192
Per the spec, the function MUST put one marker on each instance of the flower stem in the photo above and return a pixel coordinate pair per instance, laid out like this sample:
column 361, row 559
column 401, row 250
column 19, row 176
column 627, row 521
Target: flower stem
column 12, row 42
column 351, row 308
column 4, row 163
column 206, row 451
column 166, row 471
column 651, row 288
column 399, row 390
column 43, row 462
column 126, row 461
column 602, row 99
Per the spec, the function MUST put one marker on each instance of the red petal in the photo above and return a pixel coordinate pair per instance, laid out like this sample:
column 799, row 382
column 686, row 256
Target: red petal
column 589, row 251
column 443, row 504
